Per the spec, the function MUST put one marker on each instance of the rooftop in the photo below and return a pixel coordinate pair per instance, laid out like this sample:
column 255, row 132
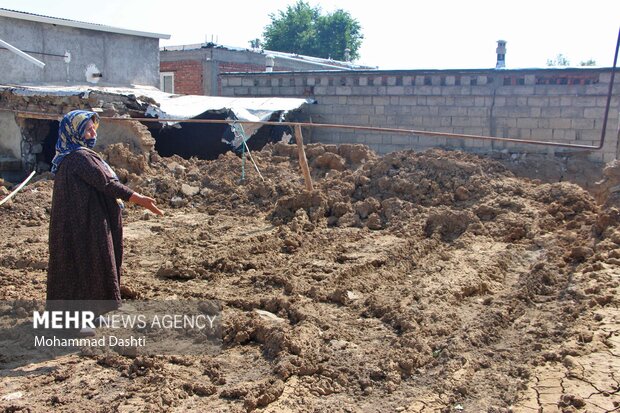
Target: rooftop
column 14, row 14
column 282, row 55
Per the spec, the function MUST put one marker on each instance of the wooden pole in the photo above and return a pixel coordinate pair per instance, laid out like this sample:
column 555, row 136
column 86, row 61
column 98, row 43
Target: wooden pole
column 303, row 162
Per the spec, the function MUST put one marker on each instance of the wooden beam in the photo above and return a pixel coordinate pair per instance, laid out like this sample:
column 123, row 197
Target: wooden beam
column 28, row 115
column 303, row 162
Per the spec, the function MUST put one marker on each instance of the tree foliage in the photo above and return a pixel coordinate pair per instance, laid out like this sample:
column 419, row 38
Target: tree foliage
column 302, row 29
column 560, row 60
column 589, row 62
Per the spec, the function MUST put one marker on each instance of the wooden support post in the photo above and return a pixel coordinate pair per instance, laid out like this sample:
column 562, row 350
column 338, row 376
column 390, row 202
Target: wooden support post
column 303, row 162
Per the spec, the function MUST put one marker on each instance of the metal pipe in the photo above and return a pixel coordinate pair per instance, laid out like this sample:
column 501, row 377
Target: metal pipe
column 611, row 86
column 41, row 53
column 22, row 54
column 369, row 128
column 35, row 115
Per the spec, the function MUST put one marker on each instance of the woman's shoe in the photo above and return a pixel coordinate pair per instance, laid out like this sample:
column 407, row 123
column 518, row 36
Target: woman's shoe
column 87, row 332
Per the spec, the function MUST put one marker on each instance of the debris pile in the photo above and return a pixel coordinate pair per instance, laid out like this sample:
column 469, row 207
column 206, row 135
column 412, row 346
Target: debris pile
column 412, row 281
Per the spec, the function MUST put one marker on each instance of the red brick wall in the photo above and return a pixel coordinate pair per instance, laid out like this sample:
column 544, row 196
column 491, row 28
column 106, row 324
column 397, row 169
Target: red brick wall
column 187, row 76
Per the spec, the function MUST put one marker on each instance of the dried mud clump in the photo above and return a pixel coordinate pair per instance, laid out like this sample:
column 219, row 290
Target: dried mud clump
column 607, row 190
column 314, row 203
column 124, row 161
column 450, row 224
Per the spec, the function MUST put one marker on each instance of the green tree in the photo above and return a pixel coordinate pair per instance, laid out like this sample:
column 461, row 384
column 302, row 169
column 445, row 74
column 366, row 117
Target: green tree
column 589, row 62
column 302, row 29
column 560, row 60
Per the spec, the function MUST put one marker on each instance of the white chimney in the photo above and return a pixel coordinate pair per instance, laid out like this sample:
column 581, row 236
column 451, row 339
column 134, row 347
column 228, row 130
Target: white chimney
column 269, row 62
column 501, row 54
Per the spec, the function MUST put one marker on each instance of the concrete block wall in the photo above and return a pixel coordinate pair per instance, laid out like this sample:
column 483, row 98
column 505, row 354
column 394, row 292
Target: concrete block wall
column 229, row 66
column 556, row 105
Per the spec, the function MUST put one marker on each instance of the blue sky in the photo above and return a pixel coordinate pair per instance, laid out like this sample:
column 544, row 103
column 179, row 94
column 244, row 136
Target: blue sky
column 397, row 34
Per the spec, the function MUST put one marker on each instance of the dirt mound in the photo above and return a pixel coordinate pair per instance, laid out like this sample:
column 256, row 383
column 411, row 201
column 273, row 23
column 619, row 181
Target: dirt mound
column 433, row 281
column 31, row 206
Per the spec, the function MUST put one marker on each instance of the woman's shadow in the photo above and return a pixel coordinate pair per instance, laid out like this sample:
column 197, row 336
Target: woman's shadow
column 22, row 345
column 24, row 342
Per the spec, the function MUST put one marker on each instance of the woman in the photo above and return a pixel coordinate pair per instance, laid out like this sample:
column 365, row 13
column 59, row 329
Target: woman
column 85, row 234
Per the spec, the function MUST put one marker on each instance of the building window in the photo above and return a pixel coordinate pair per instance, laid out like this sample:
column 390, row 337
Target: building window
column 166, row 82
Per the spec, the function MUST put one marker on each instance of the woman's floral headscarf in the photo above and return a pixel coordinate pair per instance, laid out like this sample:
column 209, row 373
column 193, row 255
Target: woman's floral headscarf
column 71, row 135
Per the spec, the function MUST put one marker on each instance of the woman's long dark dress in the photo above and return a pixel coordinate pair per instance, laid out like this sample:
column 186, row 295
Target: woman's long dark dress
column 85, row 234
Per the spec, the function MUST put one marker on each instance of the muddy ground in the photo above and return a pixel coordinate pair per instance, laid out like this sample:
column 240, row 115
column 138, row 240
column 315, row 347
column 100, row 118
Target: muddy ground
column 412, row 282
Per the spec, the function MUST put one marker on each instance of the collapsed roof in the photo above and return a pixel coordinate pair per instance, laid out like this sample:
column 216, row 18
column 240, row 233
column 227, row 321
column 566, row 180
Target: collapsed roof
column 204, row 140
